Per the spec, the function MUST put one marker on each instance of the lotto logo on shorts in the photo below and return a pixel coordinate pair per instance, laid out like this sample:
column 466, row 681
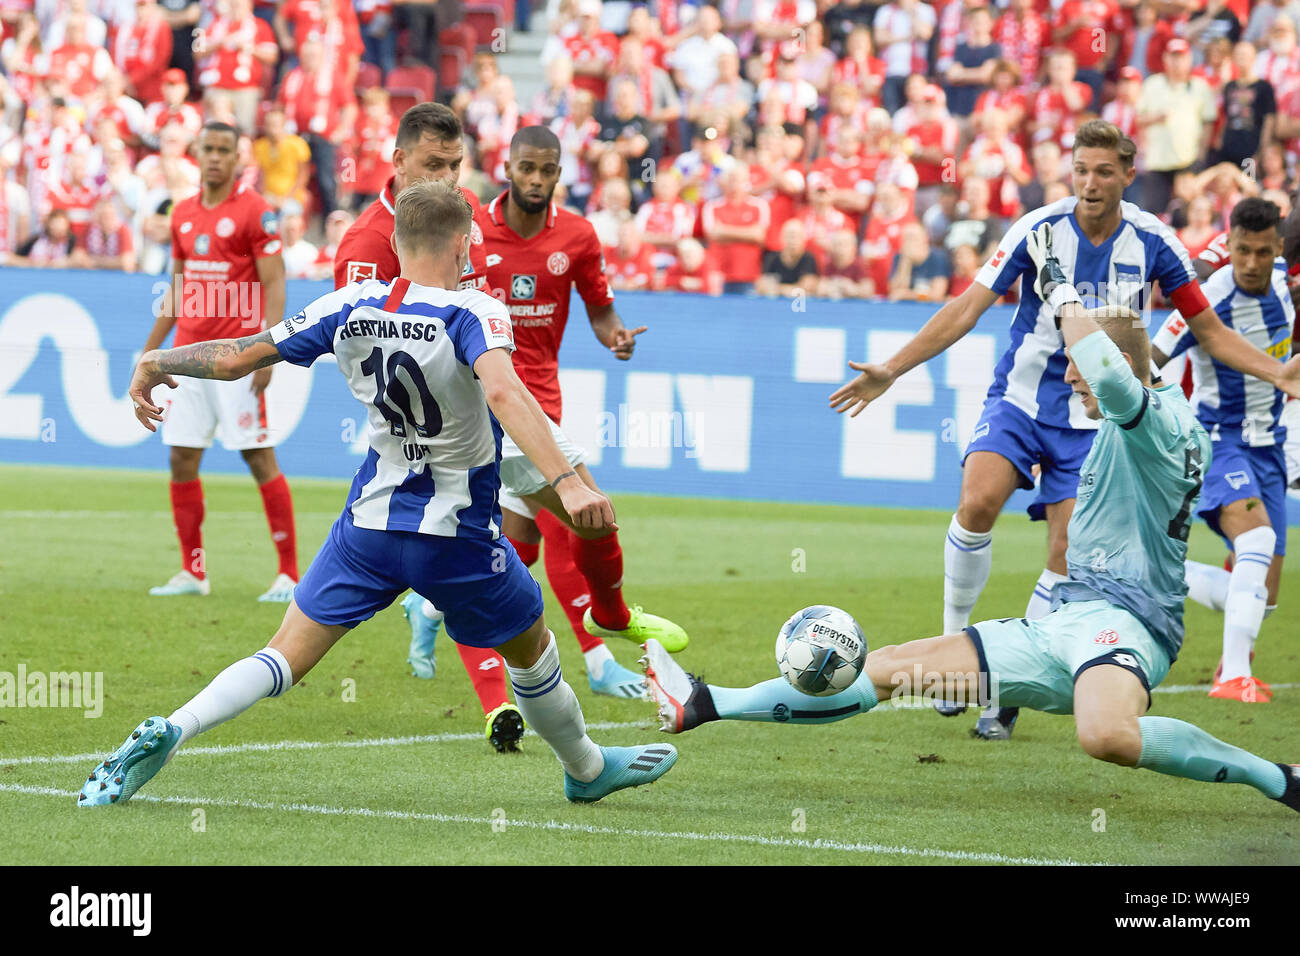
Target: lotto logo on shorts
column 1108, row 636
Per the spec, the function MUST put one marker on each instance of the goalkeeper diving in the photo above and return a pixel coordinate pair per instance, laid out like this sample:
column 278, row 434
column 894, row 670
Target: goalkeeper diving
column 1116, row 624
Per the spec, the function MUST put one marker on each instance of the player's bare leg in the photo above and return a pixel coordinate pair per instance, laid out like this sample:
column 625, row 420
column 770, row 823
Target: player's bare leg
column 296, row 648
column 278, row 505
column 1246, row 595
column 186, row 493
column 936, row 667
column 988, row 480
column 599, row 557
column 1110, row 706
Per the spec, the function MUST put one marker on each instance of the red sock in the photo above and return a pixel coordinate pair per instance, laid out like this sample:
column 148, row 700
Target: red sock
column 187, row 514
column 279, row 515
column 487, row 672
column 601, row 562
column 562, row 574
column 527, row 552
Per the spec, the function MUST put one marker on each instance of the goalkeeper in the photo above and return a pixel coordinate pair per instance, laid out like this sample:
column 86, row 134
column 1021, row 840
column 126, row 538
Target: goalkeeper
column 1117, row 622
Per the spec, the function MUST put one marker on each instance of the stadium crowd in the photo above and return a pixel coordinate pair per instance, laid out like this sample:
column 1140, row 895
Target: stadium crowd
column 842, row 149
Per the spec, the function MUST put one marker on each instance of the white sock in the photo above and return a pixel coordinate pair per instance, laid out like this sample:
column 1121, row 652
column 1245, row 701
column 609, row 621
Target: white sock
column 595, row 660
column 431, row 612
column 1040, row 602
column 967, row 560
column 1206, row 584
column 551, row 708
column 233, row 691
column 1243, row 612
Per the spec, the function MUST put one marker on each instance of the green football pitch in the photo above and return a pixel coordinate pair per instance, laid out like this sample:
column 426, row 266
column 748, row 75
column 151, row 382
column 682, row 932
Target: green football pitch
column 362, row 763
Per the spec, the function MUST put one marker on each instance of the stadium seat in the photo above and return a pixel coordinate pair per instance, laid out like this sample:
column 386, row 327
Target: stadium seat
column 461, row 36
column 368, row 75
column 408, row 85
column 451, row 65
column 485, row 19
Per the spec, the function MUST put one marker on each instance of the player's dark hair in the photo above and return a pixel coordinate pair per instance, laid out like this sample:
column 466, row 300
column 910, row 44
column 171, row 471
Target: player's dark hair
column 216, row 126
column 429, row 214
column 1099, row 134
column 431, row 119
column 538, row 137
column 1255, row 215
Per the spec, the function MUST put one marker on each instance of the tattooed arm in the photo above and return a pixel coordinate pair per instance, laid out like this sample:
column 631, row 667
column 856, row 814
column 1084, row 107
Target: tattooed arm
column 225, row 359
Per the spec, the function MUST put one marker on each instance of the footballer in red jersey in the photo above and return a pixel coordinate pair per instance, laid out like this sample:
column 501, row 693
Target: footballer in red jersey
column 227, row 282
column 536, row 252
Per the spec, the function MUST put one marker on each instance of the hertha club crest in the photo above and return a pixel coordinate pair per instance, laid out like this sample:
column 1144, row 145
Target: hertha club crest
column 557, row 264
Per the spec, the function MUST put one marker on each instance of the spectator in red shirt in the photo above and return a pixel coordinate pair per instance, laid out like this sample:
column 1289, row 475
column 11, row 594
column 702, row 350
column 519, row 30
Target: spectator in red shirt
column 79, row 64
column 593, row 50
column 845, row 275
column 860, row 68
column 852, row 186
column 1023, row 35
column 848, row 110
column 884, row 234
column 331, row 22
column 1200, row 229
column 336, row 224
column 233, row 51
column 1122, row 110
column 324, row 112
column 995, row 158
column 694, row 271
column 172, row 109
column 664, row 219
column 1078, row 27
column 1055, row 108
column 108, row 243
column 628, row 264
column 735, row 227
column 932, row 143
column 1004, row 94
column 375, row 142
column 75, row 193
column 821, row 220
column 143, row 50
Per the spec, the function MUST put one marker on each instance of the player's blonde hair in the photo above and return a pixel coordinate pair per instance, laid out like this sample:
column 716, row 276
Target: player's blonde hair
column 1126, row 329
column 430, row 214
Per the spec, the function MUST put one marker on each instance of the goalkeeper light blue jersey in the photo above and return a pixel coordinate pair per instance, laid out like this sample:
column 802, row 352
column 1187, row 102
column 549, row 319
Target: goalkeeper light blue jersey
column 1138, row 490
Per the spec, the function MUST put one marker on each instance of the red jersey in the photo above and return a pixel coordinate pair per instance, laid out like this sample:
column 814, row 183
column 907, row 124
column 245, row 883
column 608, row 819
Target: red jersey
column 706, row 279
column 1215, row 252
column 78, row 200
column 600, row 49
column 533, row 277
column 186, row 116
column 673, row 218
column 375, row 143
column 365, row 251
column 883, row 240
column 230, row 65
column 81, row 67
column 941, row 134
column 819, row 227
column 315, row 103
column 859, row 74
column 636, row 270
column 1082, row 40
column 1023, row 41
column 142, row 53
column 340, row 37
column 220, row 248
column 848, row 174
column 1049, row 106
column 739, row 261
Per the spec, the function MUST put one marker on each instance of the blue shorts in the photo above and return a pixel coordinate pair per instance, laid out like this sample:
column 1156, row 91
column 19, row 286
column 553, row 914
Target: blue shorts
column 481, row 586
column 1007, row 431
column 1240, row 471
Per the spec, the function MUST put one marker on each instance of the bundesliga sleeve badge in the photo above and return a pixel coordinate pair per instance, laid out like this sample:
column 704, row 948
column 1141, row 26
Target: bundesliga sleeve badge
column 360, row 271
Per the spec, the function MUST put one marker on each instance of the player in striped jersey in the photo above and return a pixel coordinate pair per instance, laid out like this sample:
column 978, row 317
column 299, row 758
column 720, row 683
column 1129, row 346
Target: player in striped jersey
column 1115, row 627
column 1244, row 499
column 432, row 363
column 1112, row 251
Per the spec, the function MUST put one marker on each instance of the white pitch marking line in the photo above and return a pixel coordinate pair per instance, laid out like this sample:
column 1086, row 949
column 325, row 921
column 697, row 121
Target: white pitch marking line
column 126, row 515
column 557, row 826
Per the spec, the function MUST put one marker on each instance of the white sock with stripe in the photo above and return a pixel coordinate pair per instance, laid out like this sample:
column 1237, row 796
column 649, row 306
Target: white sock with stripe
column 550, row 707
column 967, row 560
column 1206, row 584
column 1243, row 611
column 233, row 691
column 1040, row 602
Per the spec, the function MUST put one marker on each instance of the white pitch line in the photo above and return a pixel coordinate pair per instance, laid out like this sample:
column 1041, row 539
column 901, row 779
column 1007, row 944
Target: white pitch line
column 557, row 826
column 109, row 515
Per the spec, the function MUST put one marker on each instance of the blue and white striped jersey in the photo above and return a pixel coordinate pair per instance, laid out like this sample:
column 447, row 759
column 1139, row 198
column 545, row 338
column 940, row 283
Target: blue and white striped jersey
column 408, row 353
column 1143, row 250
column 1232, row 406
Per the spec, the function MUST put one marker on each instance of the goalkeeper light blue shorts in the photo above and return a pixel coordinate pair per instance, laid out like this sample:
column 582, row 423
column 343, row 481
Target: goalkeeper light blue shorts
column 1035, row 663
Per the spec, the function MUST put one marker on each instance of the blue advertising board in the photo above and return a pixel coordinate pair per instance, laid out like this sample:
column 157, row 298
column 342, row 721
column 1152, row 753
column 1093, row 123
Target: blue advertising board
column 724, row 398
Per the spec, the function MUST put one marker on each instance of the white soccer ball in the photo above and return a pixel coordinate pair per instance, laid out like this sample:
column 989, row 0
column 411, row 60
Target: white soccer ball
column 821, row 650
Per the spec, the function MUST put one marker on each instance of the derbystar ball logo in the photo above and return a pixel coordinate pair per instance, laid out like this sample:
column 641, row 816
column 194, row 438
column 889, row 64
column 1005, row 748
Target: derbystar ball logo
column 361, row 271
column 523, row 287
column 557, row 264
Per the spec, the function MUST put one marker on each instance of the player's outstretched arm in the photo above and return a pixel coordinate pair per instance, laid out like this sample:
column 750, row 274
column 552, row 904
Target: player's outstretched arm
column 949, row 324
column 1232, row 349
column 524, row 421
column 225, row 359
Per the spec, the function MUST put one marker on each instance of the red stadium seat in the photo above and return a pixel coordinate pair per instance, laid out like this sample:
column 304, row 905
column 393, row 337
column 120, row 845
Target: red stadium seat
column 417, row 81
column 368, row 76
column 485, row 19
column 451, row 65
column 459, row 36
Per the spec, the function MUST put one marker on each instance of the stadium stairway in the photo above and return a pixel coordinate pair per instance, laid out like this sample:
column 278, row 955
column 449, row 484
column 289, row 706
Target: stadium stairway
column 521, row 60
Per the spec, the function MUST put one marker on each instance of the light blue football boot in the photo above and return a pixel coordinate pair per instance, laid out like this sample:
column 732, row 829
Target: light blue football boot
column 624, row 767
column 424, row 631
column 132, row 765
column 617, row 681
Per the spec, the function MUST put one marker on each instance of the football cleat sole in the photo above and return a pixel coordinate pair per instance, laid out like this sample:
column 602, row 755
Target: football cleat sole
column 117, row 778
column 505, row 728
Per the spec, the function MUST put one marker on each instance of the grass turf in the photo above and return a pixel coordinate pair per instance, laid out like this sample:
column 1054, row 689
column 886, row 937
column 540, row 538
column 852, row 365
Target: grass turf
column 80, row 548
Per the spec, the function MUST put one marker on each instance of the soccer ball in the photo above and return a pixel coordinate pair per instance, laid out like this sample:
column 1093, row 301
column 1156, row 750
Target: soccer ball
column 821, row 650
